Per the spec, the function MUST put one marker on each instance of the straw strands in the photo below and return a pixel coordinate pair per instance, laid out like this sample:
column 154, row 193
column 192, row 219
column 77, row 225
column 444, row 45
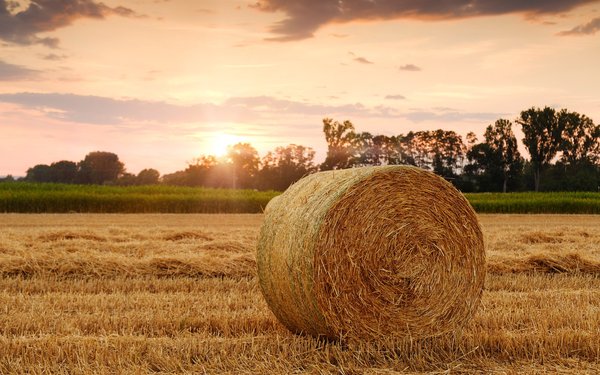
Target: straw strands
column 87, row 317
column 371, row 252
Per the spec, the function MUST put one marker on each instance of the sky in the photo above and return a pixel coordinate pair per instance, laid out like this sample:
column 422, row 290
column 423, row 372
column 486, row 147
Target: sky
column 162, row 82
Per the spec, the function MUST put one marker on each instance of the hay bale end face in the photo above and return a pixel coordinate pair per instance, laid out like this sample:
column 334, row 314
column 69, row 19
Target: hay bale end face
column 371, row 252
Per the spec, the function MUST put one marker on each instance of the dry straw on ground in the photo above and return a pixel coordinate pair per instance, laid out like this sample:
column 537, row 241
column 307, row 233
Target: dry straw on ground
column 90, row 317
column 370, row 253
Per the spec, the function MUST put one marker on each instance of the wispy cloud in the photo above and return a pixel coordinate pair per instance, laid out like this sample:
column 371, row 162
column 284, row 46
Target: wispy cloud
column 205, row 11
column 451, row 115
column 248, row 66
column 54, row 57
column 42, row 16
column 304, row 17
column 589, row 28
column 103, row 110
column 11, row 72
column 362, row 60
column 272, row 105
column 359, row 59
column 410, row 68
column 255, row 109
column 395, row 97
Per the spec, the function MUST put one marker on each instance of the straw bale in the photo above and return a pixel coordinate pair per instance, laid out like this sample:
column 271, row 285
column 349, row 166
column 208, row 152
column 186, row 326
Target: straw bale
column 371, row 252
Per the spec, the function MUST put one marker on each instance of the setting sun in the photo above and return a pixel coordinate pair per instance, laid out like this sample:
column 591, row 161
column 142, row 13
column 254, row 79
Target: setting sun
column 220, row 142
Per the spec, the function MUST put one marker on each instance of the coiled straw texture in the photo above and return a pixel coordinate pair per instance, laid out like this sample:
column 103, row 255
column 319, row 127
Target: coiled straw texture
column 371, row 252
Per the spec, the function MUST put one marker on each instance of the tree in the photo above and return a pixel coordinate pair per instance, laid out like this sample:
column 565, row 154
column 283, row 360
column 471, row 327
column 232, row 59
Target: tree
column 504, row 149
column 439, row 150
column 99, row 167
column 360, row 150
column 471, row 140
column 339, row 138
column 126, row 179
column 479, row 171
column 578, row 177
column 244, row 162
column 178, row 178
column 384, row 150
column 394, row 149
column 408, row 150
column 497, row 159
column 543, row 138
column 448, row 152
column 203, row 172
column 373, row 150
column 148, row 176
column 286, row 165
column 63, row 171
column 577, row 168
column 39, row 173
column 580, row 139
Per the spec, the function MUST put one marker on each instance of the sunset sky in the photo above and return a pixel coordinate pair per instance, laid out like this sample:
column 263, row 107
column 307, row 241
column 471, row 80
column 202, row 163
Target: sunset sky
column 161, row 82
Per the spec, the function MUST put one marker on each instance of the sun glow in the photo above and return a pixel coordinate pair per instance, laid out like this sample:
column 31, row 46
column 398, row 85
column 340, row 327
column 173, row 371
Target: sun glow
column 220, row 141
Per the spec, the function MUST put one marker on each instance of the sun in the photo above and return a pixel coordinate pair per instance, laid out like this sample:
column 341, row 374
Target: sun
column 220, row 141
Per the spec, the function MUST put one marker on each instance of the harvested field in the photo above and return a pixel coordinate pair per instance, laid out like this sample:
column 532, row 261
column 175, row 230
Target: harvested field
column 178, row 293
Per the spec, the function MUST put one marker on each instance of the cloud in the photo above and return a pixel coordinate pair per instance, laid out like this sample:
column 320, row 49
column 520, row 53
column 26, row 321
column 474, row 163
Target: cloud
column 54, row 57
column 304, row 17
column 363, row 60
column 451, row 115
column 136, row 114
column 395, row 97
column 270, row 105
column 10, row 72
column 42, row 16
column 103, row 110
column 410, row 68
column 589, row 28
column 359, row 59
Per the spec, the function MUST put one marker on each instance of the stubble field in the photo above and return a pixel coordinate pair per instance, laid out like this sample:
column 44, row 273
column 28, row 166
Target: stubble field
column 177, row 293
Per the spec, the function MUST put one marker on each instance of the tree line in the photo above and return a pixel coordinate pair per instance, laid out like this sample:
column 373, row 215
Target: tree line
column 97, row 168
column 564, row 149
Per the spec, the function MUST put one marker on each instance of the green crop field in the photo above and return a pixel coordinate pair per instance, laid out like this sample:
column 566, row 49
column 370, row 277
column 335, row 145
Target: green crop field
column 538, row 203
column 30, row 197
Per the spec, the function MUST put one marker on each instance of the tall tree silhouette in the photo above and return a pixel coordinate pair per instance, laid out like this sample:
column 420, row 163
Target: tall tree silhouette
column 339, row 138
column 543, row 138
column 580, row 139
column 497, row 159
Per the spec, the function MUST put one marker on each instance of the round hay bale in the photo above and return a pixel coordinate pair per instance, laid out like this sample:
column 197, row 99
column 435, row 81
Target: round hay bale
column 371, row 252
